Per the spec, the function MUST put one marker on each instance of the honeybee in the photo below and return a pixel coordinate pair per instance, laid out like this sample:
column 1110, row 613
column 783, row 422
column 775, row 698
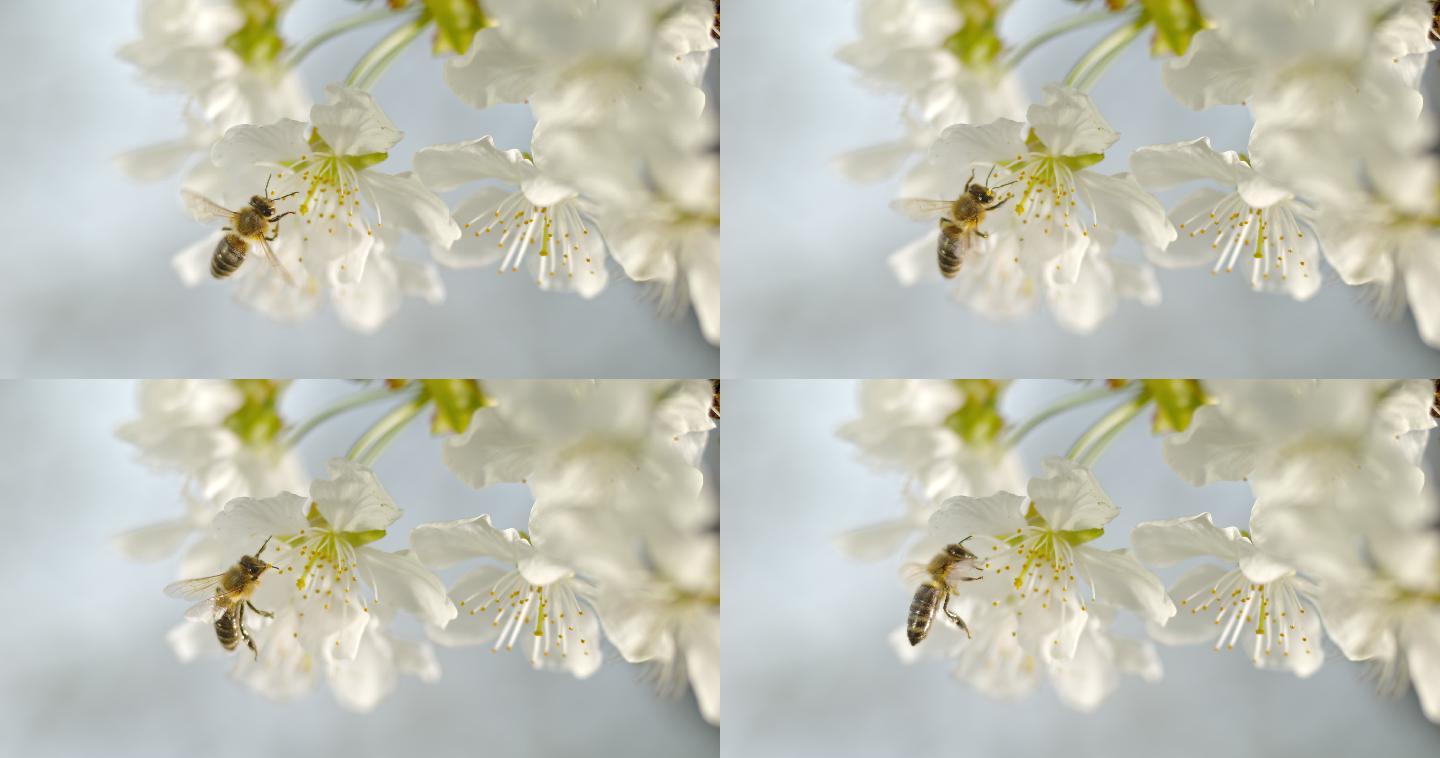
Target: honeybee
column 934, row 593
column 960, row 219
column 225, row 598
column 249, row 225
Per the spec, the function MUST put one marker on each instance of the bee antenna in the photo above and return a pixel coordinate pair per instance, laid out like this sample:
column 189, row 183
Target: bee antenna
column 967, row 539
column 263, row 544
column 992, row 173
column 268, row 177
column 1006, row 184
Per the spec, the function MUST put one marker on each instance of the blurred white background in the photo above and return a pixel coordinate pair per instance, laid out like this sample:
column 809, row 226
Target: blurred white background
column 808, row 289
column 86, row 670
column 815, row 676
column 86, row 284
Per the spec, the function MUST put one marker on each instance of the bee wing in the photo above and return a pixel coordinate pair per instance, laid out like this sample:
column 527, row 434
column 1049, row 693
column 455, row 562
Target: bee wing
column 920, row 210
column 275, row 261
column 203, row 208
column 189, row 589
column 208, row 610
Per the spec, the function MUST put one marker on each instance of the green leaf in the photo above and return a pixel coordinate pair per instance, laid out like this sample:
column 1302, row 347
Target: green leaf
column 456, row 401
column 257, row 421
column 1176, row 401
column 1176, row 23
column 456, row 22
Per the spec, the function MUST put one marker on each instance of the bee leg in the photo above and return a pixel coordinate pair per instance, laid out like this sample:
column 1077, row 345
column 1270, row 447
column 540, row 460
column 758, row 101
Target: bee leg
column 997, row 205
column 982, row 235
column 266, row 614
column 953, row 617
column 245, row 633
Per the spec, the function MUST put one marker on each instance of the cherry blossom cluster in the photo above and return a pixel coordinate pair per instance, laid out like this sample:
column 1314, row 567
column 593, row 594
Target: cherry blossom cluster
column 1342, row 540
column 1340, row 165
column 622, row 163
column 620, row 549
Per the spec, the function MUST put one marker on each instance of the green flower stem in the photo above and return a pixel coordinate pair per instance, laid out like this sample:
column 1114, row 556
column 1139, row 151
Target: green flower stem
column 378, row 58
column 1060, row 406
column 335, row 409
column 1093, row 442
column 1093, row 63
column 375, row 439
column 325, row 35
column 1055, row 30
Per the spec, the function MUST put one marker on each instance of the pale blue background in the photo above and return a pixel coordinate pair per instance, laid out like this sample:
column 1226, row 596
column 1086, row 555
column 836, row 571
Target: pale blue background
column 86, row 671
column 86, row 285
column 809, row 672
column 807, row 288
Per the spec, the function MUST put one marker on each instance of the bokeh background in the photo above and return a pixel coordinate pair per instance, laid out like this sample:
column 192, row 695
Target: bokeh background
column 816, row 676
column 86, row 283
column 86, row 670
column 808, row 288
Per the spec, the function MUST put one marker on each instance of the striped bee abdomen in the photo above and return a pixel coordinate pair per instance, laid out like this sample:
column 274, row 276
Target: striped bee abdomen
column 227, row 629
column 229, row 254
column 948, row 253
column 922, row 612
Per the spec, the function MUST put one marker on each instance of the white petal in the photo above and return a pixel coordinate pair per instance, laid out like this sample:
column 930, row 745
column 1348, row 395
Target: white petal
column 1210, row 73
column 403, row 201
column 1190, row 248
column 1165, row 543
column 401, row 581
column 493, row 72
column 447, row 543
column 915, row 262
column 1212, row 449
column 189, row 640
column 353, row 123
column 1069, row 498
column 492, row 451
column 445, row 167
column 877, row 541
column 360, row 684
column 155, row 162
column 702, row 662
column 247, row 145
column 1069, row 123
column 1422, row 282
column 1190, row 625
column 192, row 264
column 353, row 500
column 998, row 516
column 155, row 541
column 702, row 278
column 964, row 145
column 1165, row 166
column 246, row 518
column 1421, row 636
column 1123, row 205
column 1118, row 579
column 875, row 163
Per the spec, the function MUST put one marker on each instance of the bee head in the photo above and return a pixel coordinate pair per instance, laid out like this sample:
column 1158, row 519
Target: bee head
column 253, row 566
column 959, row 552
column 263, row 206
column 982, row 193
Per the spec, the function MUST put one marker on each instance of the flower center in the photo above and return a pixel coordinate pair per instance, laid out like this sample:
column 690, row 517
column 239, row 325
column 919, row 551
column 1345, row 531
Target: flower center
column 1048, row 195
column 518, row 226
column 1266, row 234
column 1270, row 609
column 547, row 612
column 1041, row 563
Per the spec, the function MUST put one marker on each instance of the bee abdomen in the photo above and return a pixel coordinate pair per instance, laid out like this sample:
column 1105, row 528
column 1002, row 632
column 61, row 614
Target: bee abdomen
column 922, row 612
column 227, row 629
column 949, row 255
column 229, row 254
